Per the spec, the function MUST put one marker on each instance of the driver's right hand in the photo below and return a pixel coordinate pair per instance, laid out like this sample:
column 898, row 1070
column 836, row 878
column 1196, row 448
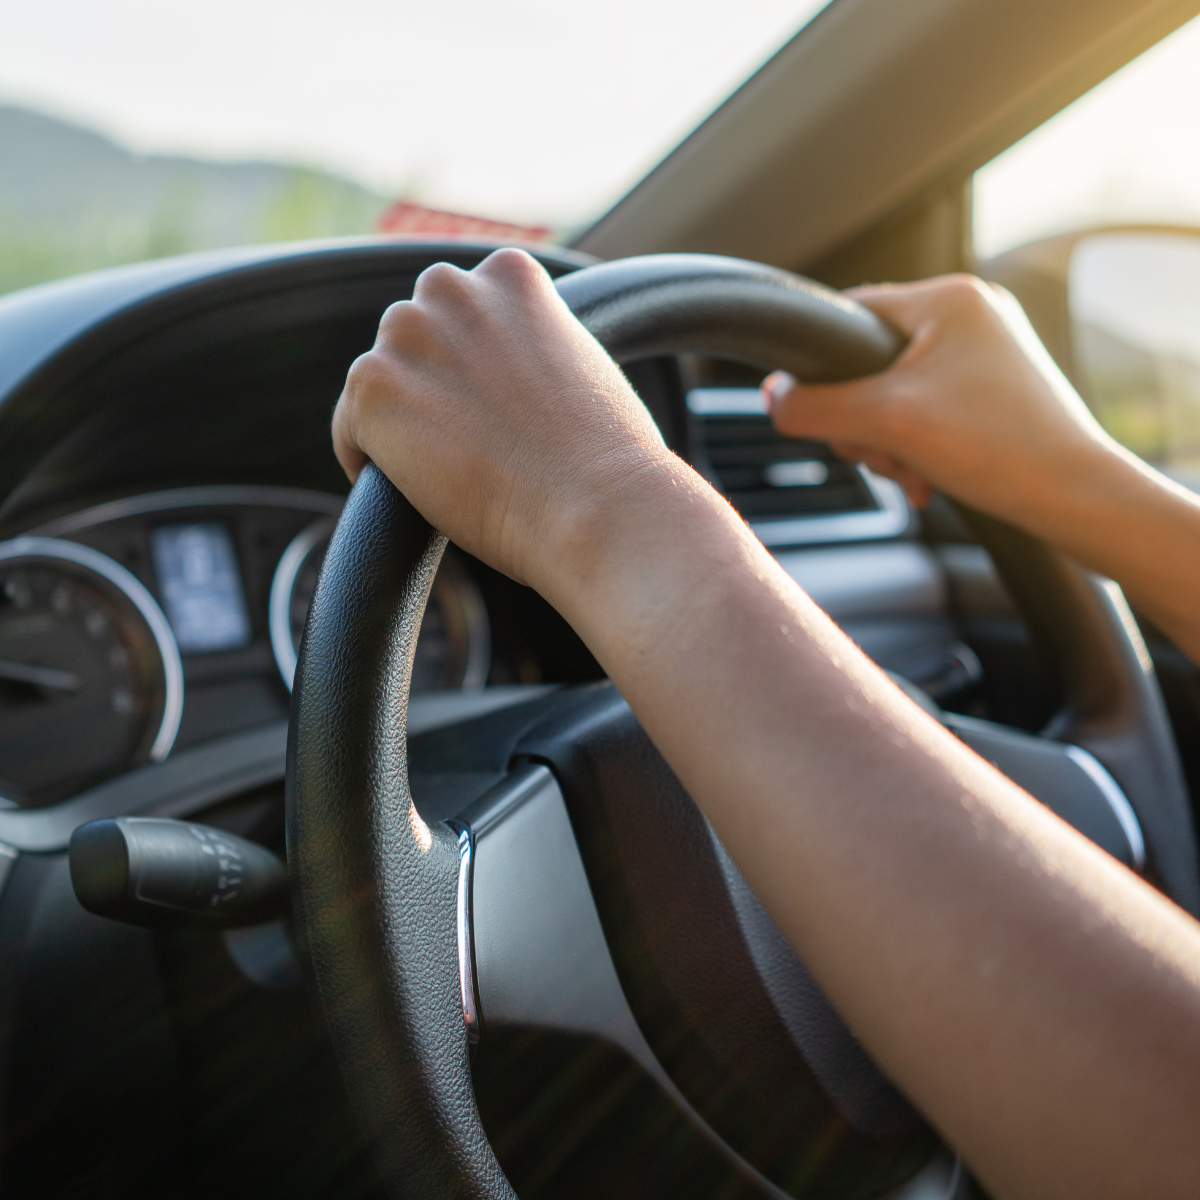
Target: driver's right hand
column 974, row 406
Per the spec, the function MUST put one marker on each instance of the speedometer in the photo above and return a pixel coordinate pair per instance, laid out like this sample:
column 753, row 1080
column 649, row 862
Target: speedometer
column 90, row 677
column 453, row 648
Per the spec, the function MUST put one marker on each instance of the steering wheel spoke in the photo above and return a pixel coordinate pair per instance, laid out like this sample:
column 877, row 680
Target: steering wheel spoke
column 539, row 953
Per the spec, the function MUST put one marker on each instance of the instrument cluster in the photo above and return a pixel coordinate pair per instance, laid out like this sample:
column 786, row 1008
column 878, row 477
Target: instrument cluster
column 146, row 623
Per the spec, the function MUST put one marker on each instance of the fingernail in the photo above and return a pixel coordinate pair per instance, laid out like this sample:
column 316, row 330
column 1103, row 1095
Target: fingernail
column 776, row 386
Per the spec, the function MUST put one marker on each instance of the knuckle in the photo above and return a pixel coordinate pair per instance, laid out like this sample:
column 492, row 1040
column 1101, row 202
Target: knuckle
column 515, row 266
column 441, row 275
column 405, row 328
column 370, row 374
column 441, row 280
column 394, row 319
column 967, row 292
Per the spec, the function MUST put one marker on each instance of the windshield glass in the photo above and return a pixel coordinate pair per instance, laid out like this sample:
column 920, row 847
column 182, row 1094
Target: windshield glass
column 134, row 128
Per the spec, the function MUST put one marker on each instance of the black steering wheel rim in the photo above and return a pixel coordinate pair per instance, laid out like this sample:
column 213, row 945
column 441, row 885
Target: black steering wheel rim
column 375, row 887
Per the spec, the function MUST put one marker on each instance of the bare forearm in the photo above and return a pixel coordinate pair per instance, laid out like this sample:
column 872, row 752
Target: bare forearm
column 885, row 850
column 1118, row 517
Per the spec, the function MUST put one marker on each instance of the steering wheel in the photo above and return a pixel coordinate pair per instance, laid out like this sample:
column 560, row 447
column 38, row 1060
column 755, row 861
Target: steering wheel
column 585, row 891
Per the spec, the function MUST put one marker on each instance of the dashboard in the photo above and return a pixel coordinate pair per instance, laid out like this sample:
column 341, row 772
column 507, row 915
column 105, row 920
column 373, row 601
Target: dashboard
column 169, row 489
column 136, row 628
column 143, row 625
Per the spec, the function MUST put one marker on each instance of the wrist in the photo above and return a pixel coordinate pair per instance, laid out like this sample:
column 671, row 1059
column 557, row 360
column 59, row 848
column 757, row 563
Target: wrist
column 1058, row 498
column 616, row 560
column 1116, row 515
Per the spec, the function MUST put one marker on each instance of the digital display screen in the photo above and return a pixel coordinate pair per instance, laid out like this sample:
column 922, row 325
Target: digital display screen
column 200, row 587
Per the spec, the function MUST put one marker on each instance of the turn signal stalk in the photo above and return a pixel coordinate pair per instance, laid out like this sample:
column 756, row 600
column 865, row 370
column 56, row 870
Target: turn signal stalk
column 153, row 871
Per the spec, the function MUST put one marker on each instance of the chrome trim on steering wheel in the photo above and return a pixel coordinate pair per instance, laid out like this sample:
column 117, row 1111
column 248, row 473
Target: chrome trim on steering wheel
column 1116, row 799
column 466, row 951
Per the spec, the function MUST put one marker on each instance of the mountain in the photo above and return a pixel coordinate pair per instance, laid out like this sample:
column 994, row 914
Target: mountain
column 72, row 200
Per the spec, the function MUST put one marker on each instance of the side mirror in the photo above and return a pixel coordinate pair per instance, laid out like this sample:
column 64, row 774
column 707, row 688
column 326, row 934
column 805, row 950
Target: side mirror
column 1119, row 309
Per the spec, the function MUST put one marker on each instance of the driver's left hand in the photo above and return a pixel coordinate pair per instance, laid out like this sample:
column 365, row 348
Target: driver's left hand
column 500, row 417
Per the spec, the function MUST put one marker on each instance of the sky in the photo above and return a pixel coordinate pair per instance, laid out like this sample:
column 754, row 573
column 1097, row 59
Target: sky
column 541, row 111
column 530, row 110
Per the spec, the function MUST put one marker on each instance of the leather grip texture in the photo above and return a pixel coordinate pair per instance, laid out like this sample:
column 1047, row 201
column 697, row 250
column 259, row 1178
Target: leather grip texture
column 727, row 307
column 374, row 887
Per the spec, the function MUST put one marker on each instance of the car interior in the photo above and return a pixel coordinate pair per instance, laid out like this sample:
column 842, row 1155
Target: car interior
column 218, row 671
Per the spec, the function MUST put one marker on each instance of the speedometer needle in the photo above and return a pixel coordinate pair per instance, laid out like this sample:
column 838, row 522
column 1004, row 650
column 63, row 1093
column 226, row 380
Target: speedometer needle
column 45, row 677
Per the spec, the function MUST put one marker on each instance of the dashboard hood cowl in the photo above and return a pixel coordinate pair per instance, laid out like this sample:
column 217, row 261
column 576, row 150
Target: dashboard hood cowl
column 38, row 323
column 53, row 334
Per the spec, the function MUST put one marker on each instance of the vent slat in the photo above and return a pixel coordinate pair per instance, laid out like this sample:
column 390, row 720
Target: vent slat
column 764, row 504
column 750, row 462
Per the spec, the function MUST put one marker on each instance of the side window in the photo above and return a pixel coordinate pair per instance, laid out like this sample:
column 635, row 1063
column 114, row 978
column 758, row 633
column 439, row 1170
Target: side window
column 1093, row 220
column 1127, row 152
column 1134, row 302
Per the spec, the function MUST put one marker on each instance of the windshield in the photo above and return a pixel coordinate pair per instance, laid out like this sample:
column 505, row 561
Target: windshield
column 134, row 128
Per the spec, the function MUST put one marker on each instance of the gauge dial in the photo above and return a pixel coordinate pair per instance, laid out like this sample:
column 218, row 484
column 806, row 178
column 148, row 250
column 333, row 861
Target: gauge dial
column 90, row 677
column 454, row 646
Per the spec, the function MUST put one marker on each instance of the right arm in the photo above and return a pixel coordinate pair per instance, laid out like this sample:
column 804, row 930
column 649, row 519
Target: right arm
column 976, row 407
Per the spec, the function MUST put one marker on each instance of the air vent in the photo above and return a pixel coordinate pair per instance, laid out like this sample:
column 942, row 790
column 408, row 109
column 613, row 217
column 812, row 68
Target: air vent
column 793, row 492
